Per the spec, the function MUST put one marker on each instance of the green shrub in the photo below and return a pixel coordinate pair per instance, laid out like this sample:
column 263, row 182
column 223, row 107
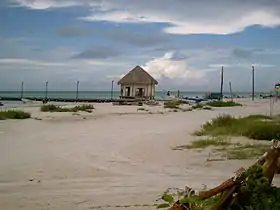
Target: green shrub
column 257, row 127
column 201, row 106
column 220, row 125
column 203, row 143
column 186, row 109
column 83, row 107
column 172, row 104
column 50, row 108
column 223, row 103
column 263, row 130
column 246, row 151
column 56, row 108
column 233, row 150
column 257, row 117
column 197, row 106
column 14, row 114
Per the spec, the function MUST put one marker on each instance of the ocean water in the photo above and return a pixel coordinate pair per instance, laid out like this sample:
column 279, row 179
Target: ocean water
column 91, row 95
column 98, row 94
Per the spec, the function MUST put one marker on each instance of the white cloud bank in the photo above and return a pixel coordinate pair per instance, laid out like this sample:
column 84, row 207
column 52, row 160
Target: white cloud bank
column 19, row 61
column 169, row 67
column 184, row 17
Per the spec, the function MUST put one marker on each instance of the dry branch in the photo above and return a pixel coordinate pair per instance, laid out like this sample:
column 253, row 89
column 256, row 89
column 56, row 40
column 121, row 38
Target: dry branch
column 270, row 161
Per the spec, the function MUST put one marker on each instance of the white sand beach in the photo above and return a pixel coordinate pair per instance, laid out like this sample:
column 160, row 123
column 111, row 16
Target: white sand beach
column 114, row 155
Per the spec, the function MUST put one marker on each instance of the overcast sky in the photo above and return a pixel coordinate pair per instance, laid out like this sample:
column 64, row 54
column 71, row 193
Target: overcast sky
column 182, row 43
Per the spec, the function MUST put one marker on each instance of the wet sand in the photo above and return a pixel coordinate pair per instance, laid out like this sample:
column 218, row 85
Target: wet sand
column 115, row 155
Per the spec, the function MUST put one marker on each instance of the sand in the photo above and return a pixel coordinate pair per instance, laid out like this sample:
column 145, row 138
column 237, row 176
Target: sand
column 115, row 155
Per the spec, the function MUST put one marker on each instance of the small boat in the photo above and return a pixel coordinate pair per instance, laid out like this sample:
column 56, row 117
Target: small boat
column 1, row 104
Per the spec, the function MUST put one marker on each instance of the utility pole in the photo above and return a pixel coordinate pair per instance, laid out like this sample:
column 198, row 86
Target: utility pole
column 21, row 91
column 222, row 83
column 77, row 90
column 253, row 83
column 230, row 90
column 46, row 91
column 112, row 89
column 271, row 103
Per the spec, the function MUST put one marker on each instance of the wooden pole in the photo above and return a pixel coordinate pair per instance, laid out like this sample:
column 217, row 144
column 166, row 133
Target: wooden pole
column 271, row 104
column 77, row 90
column 222, row 83
column 112, row 89
column 230, row 90
column 46, row 91
column 253, row 83
column 21, row 91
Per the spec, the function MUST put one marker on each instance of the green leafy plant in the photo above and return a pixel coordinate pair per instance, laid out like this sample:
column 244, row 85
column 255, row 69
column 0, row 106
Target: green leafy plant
column 223, row 103
column 256, row 192
column 203, row 143
column 186, row 200
column 242, row 152
column 56, row 108
column 172, row 104
column 253, row 193
column 257, row 127
column 197, row 106
column 13, row 114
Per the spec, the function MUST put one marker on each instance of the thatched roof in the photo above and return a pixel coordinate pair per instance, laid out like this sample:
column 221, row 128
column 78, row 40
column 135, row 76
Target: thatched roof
column 138, row 76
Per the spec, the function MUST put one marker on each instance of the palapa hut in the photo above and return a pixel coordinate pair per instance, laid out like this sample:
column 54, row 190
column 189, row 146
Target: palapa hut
column 137, row 84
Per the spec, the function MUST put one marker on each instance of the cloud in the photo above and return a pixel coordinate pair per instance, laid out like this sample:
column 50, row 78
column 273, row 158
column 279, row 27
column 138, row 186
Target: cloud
column 246, row 65
column 169, row 66
column 13, row 40
column 73, row 31
column 266, row 51
column 28, row 63
column 46, row 4
column 220, row 65
column 17, row 61
column 139, row 38
column 61, row 75
column 261, row 65
column 248, row 53
column 180, row 17
column 177, row 56
column 193, row 17
column 98, row 52
column 242, row 53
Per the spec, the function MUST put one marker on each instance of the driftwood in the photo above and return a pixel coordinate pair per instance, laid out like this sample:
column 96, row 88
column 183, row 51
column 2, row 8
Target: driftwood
column 270, row 160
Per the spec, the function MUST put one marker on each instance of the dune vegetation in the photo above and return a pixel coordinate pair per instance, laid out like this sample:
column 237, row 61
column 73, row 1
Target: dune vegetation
column 13, row 114
column 258, row 127
column 56, row 108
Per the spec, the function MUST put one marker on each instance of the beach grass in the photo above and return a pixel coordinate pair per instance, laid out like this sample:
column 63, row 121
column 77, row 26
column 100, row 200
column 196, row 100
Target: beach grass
column 14, row 114
column 172, row 104
column 201, row 106
column 248, row 151
column 223, row 104
column 203, row 143
column 224, row 147
column 258, row 127
column 186, row 109
column 197, row 106
column 56, row 108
